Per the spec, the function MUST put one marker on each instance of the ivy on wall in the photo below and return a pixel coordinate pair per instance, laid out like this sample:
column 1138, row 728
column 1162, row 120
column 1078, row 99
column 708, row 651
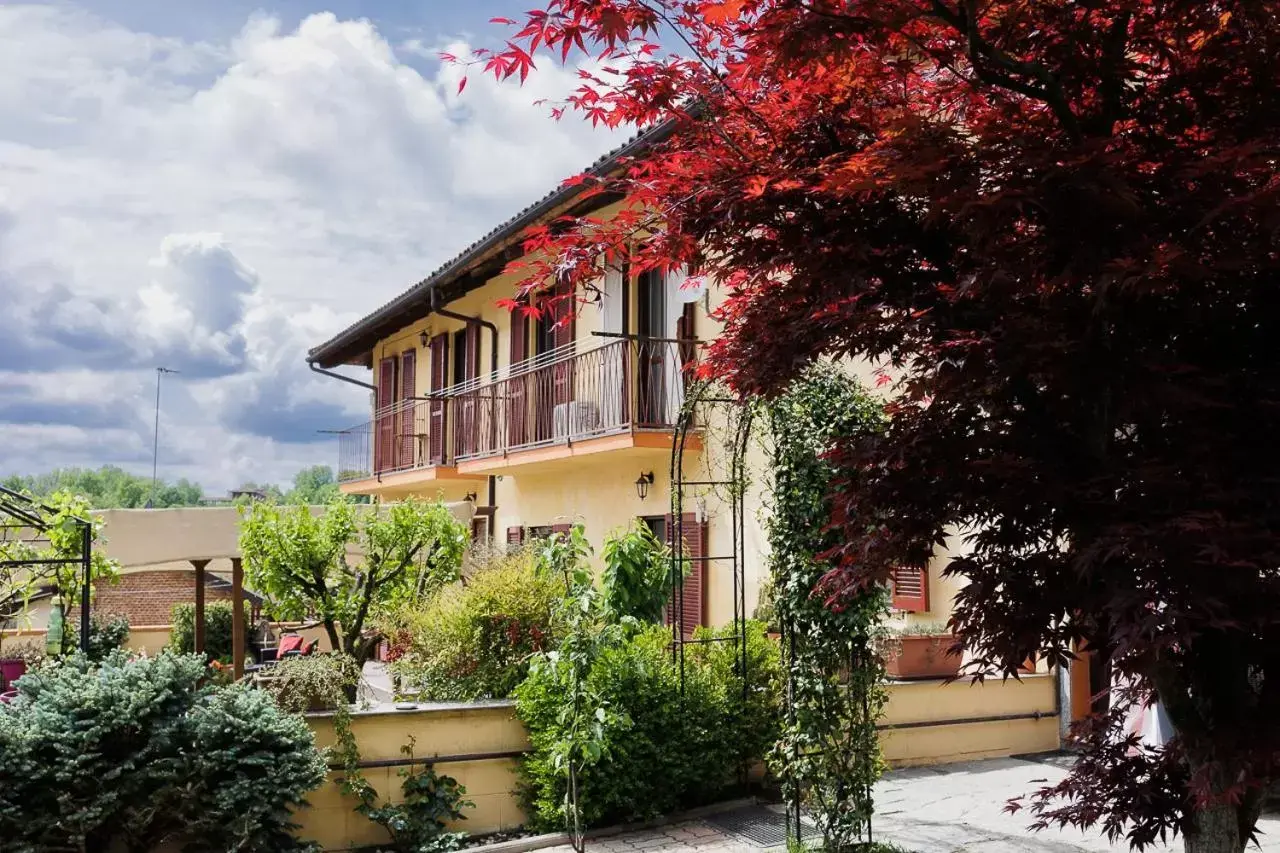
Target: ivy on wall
column 829, row 756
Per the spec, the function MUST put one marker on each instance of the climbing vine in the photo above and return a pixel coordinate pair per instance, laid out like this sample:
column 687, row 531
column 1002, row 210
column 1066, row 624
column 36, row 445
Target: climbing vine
column 828, row 756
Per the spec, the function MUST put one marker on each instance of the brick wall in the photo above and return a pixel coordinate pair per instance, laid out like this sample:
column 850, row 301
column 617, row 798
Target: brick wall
column 147, row 598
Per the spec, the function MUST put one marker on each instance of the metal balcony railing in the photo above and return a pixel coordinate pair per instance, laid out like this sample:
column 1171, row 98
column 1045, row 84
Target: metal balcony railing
column 622, row 386
column 397, row 439
column 556, row 398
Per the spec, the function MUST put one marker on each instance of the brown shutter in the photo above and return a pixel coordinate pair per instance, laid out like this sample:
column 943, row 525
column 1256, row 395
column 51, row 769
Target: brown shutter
column 519, row 335
column 566, row 529
column 693, row 592
column 562, row 379
column 472, row 358
column 515, row 535
column 408, row 390
column 384, row 420
column 910, row 589
column 565, row 313
column 439, row 381
column 517, row 399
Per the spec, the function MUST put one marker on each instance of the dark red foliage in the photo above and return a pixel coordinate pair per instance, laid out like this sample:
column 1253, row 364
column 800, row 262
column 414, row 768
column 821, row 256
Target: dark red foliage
column 1054, row 225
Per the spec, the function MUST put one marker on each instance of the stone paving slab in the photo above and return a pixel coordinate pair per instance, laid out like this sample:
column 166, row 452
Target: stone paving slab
column 955, row 808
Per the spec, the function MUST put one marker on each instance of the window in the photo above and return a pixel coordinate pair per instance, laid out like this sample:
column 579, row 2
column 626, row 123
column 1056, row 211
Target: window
column 459, row 356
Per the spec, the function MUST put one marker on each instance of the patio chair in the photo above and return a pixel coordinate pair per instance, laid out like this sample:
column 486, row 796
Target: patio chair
column 291, row 646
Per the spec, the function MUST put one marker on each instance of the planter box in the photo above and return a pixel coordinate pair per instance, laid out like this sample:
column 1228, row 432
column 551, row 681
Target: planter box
column 10, row 671
column 921, row 657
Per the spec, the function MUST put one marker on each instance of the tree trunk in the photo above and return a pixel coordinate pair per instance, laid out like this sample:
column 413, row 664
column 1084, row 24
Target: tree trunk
column 1217, row 831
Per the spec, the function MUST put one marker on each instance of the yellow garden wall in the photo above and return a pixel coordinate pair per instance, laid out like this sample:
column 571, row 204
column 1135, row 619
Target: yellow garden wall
column 152, row 638
column 974, row 734
column 148, row 638
column 464, row 730
column 443, row 730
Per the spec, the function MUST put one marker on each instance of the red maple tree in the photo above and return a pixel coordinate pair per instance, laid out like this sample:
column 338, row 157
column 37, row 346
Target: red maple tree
column 1054, row 224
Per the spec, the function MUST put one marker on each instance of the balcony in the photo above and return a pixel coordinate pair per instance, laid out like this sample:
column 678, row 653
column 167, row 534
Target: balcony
column 623, row 396
column 395, row 450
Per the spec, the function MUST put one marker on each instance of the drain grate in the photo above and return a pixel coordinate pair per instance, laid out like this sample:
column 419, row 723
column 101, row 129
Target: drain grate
column 763, row 827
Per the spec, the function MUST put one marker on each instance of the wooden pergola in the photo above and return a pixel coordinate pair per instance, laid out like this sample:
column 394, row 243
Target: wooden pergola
column 237, row 610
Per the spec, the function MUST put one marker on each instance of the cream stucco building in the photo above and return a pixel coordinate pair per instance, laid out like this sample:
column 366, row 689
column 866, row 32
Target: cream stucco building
column 549, row 420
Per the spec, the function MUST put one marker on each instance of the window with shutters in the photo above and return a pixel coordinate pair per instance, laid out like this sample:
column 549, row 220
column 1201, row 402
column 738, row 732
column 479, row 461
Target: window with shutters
column 692, row 599
column 406, row 438
column 384, row 438
column 540, row 532
column 437, row 420
column 518, row 386
column 910, row 589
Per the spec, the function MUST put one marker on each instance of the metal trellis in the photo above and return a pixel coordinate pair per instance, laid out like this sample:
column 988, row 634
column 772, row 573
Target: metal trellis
column 22, row 515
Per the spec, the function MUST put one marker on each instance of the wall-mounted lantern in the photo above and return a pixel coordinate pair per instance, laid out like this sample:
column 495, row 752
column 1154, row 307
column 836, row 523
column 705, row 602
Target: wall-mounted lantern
column 643, row 482
column 424, row 338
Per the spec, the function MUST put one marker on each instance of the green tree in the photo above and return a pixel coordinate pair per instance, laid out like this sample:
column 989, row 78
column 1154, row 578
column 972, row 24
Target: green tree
column 315, row 486
column 108, row 487
column 301, row 561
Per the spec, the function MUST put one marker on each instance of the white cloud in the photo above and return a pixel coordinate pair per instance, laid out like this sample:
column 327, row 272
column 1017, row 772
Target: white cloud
column 220, row 207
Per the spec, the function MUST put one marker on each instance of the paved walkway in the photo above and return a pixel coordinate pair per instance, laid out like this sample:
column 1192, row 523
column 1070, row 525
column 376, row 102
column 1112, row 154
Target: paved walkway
column 956, row 808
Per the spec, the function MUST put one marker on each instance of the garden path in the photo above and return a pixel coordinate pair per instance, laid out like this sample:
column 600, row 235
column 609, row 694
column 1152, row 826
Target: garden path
column 955, row 808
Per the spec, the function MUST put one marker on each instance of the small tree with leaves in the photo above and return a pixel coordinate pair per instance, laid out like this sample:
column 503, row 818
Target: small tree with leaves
column 23, row 557
column 303, row 562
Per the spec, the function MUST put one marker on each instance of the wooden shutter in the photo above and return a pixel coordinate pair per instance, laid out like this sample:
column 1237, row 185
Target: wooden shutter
column 515, row 536
column 910, row 589
column 384, row 419
column 566, row 529
column 471, row 360
column 465, row 402
column 408, row 390
column 693, row 593
column 565, row 313
column 437, row 420
column 517, row 398
column 562, row 373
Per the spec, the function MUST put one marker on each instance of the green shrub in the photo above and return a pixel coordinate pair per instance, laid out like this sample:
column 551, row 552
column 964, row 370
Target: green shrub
column 474, row 640
column 106, row 634
column 416, row 824
column 636, row 581
column 662, row 751
column 313, row 682
column 134, row 753
column 217, row 629
column 756, row 718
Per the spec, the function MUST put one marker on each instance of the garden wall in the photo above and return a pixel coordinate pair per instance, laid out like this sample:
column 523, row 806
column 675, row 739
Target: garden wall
column 926, row 722
column 931, row 722
column 477, row 744
column 152, row 638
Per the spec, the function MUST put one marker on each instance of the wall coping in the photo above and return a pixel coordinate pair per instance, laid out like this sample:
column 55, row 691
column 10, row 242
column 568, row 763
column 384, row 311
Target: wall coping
column 388, row 709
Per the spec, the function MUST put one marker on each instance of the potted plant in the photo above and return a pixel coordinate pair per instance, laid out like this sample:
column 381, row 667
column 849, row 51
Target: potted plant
column 921, row 651
column 312, row 683
column 16, row 659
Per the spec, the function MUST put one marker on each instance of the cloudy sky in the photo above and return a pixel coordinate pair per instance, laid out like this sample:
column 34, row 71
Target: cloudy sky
column 214, row 187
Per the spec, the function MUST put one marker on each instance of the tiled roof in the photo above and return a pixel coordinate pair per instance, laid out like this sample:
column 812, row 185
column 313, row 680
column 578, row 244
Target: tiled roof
column 361, row 335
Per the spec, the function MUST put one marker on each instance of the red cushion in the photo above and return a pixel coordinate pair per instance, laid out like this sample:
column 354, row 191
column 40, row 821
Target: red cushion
column 311, row 647
column 289, row 643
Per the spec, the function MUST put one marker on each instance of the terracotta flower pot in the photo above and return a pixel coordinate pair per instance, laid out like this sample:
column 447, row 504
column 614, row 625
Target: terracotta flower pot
column 921, row 657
